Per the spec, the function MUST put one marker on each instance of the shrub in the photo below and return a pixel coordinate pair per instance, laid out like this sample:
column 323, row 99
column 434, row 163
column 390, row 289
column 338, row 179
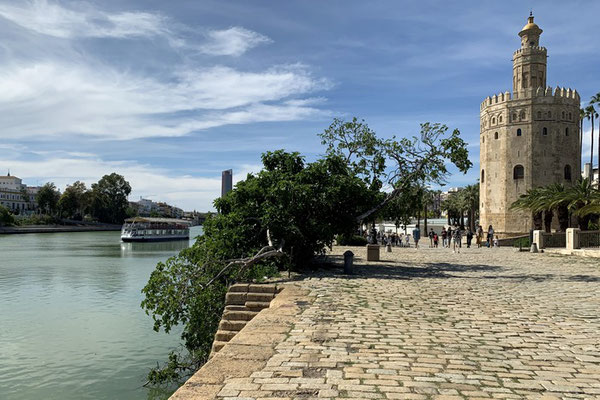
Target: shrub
column 351, row 240
column 6, row 218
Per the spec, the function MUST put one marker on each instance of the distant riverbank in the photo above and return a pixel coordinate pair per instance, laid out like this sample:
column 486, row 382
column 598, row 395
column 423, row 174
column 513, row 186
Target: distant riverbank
column 57, row 228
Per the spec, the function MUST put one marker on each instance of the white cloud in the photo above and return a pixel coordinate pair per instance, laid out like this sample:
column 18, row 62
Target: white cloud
column 234, row 41
column 187, row 192
column 52, row 19
column 51, row 99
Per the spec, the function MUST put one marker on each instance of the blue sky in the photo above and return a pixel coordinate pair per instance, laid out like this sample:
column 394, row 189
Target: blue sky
column 170, row 93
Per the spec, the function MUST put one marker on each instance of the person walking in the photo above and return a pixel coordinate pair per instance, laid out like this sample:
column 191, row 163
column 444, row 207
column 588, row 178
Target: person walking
column 416, row 236
column 407, row 240
column 444, row 236
column 431, row 233
column 435, row 240
column 490, row 236
column 457, row 239
column 449, row 236
column 479, row 236
column 469, row 237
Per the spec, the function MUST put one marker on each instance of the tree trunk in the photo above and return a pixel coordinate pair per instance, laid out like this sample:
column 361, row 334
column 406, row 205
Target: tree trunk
column 592, row 149
column 548, row 215
column 418, row 217
column 537, row 221
column 425, row 218
column 448, row 217
column 580, row 142
column 462, row 220
column 563, row 218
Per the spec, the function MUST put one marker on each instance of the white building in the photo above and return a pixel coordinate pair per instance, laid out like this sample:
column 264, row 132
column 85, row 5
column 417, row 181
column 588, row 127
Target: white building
column 16, row 196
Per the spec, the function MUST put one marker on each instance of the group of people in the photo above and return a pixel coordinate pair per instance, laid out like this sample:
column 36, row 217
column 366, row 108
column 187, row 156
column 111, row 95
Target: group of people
column 451, row 236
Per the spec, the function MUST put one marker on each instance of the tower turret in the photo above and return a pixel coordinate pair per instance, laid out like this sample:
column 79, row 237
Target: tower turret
column 529, row 62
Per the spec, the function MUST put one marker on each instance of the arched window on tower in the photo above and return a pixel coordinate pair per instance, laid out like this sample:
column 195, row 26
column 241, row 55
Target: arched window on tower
column 570, row 117
column 519, row 132
column 495, row 135
column 493, row 120
column 514, row 117
column 522, row 115
column 500, row 118
column 518, row 172
column 482, row 176
column 567, row 172
column 567, row 131
column 545, row 131
column 539, row 114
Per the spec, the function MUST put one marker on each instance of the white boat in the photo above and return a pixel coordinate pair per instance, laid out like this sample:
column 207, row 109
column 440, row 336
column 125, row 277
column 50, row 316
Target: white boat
column 142, row 229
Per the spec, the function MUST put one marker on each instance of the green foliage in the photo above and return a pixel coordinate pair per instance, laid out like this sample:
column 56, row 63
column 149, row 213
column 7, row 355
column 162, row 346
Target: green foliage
column 6, row 218
column 302, row 207
column 47, row 198
column 351, row 240
column 38, row 219
column 522, row 242
column 74, row 201
column 109, row 198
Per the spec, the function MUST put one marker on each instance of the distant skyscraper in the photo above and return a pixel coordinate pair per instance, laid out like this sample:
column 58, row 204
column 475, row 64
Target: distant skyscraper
column 226, row 182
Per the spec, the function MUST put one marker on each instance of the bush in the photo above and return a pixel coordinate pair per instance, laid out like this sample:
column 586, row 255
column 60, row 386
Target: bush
column 38, row 219
column 522, row 242
column 6, row 218
column 351, row 240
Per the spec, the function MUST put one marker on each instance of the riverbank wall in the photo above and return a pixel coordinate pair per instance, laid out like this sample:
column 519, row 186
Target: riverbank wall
column 56, row 229
column 250, row 348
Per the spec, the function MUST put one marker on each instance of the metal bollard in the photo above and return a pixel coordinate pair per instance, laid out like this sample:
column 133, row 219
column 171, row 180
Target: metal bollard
column 388, row 248
column 348, row 261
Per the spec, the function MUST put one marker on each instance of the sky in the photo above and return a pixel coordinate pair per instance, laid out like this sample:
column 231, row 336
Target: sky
column 170, row 93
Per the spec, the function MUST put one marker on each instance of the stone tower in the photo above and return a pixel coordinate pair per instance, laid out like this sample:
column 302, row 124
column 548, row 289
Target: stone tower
column 529, row 138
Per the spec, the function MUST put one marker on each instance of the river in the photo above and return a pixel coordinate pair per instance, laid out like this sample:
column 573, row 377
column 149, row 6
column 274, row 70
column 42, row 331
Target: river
column 71, row 326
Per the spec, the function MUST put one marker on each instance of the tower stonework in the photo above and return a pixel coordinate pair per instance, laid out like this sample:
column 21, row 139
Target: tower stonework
column 529, row 138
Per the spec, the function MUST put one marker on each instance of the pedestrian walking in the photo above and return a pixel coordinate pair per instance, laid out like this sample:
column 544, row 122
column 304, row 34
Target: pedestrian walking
column 479, row 236
column 431, row 233
column 435, row 240
column 449, row 236
column 457, row 234
column 469, row 237
column 490, row 236
column 444, row 236
column 416, row 236
column 407, row 240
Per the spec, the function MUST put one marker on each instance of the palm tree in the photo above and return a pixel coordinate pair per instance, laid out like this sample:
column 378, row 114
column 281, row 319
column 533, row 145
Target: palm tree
column 470, row 195
column 581, row 196
column 530, row 201
column 590, row 113
column 581, row 118
column 596, row 100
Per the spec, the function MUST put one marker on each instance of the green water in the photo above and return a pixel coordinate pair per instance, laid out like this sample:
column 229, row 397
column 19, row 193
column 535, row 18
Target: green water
column 71, row 326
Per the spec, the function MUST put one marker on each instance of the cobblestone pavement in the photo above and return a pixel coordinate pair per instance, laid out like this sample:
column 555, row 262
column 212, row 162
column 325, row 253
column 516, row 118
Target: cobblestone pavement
column 420, row 324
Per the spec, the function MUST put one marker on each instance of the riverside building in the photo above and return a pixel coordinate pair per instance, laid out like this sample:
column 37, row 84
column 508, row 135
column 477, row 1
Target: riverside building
column 16, row 196
column 529, row 138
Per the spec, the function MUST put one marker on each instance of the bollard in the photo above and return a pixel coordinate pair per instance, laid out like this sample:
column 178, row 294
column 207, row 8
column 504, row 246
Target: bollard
column 348, row 260
column 372, row 252
column 388, row 248
column 534, row 248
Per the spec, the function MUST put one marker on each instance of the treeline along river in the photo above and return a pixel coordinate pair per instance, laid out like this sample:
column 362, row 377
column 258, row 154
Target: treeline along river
column 71, row 326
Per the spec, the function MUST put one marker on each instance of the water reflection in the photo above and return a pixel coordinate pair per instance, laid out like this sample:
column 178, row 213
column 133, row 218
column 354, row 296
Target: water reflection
column 132, row 249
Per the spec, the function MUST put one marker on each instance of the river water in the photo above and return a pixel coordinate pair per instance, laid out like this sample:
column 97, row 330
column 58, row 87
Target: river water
column 71, row 326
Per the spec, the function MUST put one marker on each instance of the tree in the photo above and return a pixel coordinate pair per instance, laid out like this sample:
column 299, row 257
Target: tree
column 590, row 113
column 582, row 115
column 290, row 209
column 470, row 197
column 6, row 218
column 74, row 200
column 47, row 198
column 109, row 198
column 596, row 100
column 401, row 163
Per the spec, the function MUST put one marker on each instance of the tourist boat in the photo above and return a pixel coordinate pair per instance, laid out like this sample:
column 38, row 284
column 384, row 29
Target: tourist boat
column 142, row 229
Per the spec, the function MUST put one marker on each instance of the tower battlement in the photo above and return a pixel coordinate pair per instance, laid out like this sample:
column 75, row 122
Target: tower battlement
column 560, row 95
column 530, row 49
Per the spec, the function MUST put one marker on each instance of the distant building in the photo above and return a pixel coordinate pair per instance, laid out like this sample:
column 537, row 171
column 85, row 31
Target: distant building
column 16, row 196
column 226, row 182
column 149, row 208
column 591, row 173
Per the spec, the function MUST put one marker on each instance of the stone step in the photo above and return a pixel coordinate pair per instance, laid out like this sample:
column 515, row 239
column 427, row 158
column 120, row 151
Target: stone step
column 216, row 346
column 233, row 307
column 239, row 315
column 239, row 287
column 257, row 305
column 236, row 298
column 224, row 336
column 264, row 297
column 262, row 288
column 235, row 326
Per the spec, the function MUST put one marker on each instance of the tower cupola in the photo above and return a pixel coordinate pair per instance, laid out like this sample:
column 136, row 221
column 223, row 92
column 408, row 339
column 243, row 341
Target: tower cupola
column 530, row 34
